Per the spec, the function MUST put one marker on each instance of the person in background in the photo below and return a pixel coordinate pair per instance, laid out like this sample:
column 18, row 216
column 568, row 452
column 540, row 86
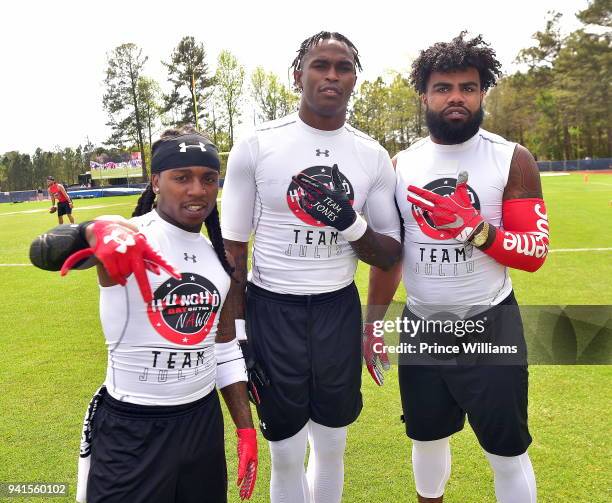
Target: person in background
column 64, row 203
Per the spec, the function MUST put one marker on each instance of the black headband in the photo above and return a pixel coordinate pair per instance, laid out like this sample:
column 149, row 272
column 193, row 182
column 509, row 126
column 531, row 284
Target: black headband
column 183, row 151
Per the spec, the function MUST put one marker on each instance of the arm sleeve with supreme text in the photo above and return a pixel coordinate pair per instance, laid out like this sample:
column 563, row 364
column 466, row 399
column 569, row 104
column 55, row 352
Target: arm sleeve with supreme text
column 523, row 241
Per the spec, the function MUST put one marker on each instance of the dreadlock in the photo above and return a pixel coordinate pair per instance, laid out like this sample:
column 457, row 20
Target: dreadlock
column 213, row 227
column 146, row 201
column 459, row 54
column 313, row 41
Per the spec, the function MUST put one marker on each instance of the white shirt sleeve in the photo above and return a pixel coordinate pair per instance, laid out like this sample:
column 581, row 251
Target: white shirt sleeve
column 238, row 197
column 379, row 209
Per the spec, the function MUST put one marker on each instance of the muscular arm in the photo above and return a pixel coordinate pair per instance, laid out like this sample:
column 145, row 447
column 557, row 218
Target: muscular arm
column 377, row 249
column 524, row 176
column 522, row 243
column 523, row 183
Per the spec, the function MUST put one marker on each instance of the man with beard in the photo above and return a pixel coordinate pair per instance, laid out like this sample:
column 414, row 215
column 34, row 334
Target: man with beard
column 459, row 242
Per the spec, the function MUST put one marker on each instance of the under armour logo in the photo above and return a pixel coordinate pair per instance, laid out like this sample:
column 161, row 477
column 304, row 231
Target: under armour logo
column 122, row 239
column 263, row 425
column 188, row 258
column 320, row 152
column 184, row 147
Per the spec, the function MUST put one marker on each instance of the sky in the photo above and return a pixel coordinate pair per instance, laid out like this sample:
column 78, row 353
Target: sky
column 54, row 53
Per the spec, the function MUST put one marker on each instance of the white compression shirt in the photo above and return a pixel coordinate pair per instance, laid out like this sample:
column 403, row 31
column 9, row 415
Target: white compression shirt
column 163, row 353
column 446, row 273
column 292, row 253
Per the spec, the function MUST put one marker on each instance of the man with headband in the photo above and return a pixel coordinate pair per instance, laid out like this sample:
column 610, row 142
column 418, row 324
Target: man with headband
column 318, row 195
column 154, row 431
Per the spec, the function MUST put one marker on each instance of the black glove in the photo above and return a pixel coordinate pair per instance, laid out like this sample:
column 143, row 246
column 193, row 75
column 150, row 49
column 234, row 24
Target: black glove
column 328, row 206
column 256, row 375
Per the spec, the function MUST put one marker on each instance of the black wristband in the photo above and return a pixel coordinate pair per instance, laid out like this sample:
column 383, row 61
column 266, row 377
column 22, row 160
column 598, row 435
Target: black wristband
column 83, row 228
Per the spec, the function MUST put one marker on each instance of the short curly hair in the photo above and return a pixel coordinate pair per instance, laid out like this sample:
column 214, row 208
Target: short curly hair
column 459, row 54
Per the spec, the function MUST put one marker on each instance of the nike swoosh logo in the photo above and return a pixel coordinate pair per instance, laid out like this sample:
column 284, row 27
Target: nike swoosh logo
column 454, row 225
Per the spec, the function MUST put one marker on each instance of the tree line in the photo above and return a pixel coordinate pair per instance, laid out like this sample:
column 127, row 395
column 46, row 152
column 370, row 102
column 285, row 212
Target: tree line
column 558, row 106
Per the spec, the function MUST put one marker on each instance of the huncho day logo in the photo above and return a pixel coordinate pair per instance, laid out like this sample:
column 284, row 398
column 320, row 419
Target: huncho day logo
column 442, row 187
column 322, row 174
column 184, row 311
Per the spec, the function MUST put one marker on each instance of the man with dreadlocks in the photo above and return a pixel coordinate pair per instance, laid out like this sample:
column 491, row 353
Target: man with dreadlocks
column 154, row 431
column 298, row 183
column 460, row 240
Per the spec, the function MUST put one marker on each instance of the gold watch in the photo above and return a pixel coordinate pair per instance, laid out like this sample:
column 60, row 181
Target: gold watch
column 479, row 239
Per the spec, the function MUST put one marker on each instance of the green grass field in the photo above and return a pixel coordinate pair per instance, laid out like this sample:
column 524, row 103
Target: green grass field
column 52, row 357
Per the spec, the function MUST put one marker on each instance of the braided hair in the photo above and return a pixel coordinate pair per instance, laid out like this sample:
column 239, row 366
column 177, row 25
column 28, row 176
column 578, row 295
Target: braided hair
column 313, row 41
column 213, row 227
column 146, row 201
column 459, row 54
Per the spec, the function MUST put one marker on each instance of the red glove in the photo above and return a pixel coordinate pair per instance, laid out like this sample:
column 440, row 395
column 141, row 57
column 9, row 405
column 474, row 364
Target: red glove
column 374, row 355
column 454, row 216
column 247, row 461
column 122, row 252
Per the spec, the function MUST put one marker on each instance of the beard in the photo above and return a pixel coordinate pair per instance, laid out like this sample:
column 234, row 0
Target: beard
column 453, row 132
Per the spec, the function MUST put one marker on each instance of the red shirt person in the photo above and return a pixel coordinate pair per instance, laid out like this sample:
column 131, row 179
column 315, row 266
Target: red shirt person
column 64, row 203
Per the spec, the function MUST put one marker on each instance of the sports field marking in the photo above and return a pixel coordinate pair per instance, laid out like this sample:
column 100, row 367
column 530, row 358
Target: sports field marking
column 25, row 211
column 42, row 210
column 97, row 206
column 15, row 265
column 569, row 250
column 554, row 174
column 93, row 207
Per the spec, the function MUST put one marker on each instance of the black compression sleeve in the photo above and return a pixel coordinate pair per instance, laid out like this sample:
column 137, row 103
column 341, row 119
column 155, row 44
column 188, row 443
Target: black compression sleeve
column 51, row 249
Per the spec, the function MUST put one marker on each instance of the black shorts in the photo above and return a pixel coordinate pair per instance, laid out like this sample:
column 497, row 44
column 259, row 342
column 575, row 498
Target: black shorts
column 151, row 454
column 310, row 347
column 63, row 209
column 490, row 390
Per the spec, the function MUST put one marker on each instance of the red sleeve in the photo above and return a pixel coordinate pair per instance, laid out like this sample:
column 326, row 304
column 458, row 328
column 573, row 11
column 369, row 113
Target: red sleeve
column 522, row 243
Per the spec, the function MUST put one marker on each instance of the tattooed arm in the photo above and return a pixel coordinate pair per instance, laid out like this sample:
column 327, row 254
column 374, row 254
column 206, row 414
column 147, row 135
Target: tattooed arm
column 380, row 245
column 234, row 306
column 522, row 240
column 524, row 177
column 523, row 183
